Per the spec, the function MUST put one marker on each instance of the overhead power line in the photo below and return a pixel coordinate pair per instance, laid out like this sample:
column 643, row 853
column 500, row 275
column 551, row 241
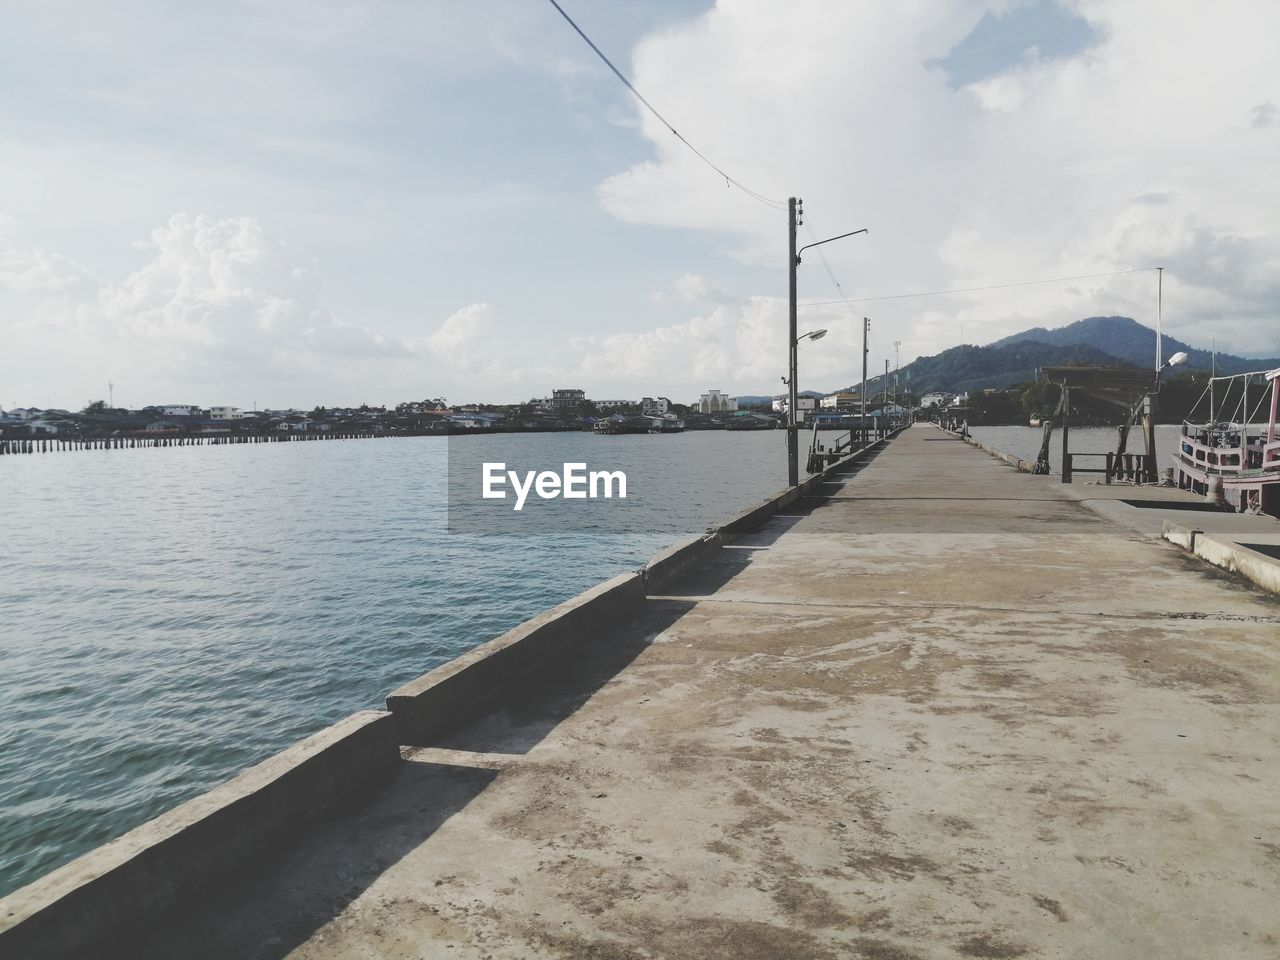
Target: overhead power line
column 994, row 286
column 761, row 198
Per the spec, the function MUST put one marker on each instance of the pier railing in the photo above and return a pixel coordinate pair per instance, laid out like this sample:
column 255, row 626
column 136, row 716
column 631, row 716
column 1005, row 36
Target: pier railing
column 1129, row 467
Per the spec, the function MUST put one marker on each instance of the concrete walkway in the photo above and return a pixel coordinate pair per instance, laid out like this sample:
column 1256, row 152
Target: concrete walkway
column 948, row 712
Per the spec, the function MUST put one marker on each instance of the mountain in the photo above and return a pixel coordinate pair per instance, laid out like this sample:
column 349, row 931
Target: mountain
column 973, row 368
column 1129, row 340
column 1094, row 342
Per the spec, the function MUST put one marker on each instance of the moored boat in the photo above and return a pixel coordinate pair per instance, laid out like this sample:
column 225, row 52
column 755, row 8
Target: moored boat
column 1241, row 460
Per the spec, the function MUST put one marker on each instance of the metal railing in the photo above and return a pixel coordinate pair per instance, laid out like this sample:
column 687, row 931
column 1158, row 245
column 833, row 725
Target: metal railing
column 1129, row 467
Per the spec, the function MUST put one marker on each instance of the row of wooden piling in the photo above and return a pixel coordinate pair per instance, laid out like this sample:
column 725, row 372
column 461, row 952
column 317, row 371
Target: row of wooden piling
column 58, row 445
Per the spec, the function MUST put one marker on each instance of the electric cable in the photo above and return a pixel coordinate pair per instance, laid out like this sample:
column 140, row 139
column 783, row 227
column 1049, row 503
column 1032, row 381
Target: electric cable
column 759, row 197
column 994, row 286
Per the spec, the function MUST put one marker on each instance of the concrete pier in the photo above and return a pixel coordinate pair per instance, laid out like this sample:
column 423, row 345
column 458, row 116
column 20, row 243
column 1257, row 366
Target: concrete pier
column 946, row 709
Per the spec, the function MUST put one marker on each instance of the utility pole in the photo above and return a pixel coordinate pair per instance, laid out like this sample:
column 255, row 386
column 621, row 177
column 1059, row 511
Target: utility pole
column 866, row 328
column 896, row 345
column 795, row 217
column 1150, row 425
column 793, row 452
column 884, row 409
column 111, row 395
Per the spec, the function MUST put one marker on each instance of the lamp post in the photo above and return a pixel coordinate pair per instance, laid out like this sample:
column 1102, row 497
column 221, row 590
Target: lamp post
column 1152, row 470
column 793, row 402
column 793, row 261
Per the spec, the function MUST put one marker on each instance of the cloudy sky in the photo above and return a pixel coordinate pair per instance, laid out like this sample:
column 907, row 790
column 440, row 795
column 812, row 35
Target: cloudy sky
column 341, row 201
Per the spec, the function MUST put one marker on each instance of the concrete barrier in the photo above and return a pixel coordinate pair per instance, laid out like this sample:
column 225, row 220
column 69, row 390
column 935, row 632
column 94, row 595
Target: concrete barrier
column 1226, row 553
column 675, row 560
column 80, row 909
column 1180, row 535
column 480, row 680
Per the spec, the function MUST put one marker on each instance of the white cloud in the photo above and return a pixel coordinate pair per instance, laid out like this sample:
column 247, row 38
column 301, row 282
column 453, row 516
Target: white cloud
column 39, row 271
column 344, row 130
column 219, row 304
column 740, row 348
column 692, row 286
column 1026, row 175
column 460, row 333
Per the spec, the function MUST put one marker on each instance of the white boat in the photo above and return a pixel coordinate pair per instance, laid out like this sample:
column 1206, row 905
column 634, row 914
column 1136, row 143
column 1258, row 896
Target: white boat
column 1243, row 461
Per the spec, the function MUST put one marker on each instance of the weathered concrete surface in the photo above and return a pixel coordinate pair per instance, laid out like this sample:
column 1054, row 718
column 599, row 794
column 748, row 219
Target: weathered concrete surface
column 949, row 712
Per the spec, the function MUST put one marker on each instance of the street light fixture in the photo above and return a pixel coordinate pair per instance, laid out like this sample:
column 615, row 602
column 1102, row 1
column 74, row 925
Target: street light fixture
column 793, row 261
column 793, row 401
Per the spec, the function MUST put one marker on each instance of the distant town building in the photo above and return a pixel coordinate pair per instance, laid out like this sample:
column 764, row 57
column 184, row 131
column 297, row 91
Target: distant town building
column 613, row 404
column 180, row 410
column 654, row 407
column 566, row 401
column 225, row 413
column 888, row 410
column 929, row 399
column 805, row 405
column 713, row 401
column 423, row 406
column 842, row 400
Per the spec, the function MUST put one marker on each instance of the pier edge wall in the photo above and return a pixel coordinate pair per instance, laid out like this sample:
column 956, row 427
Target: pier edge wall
column 129, row 882
column 470, row 685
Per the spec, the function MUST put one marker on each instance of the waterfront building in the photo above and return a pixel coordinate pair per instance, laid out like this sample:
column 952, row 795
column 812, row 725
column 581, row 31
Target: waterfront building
column 649, row 406
column 471, row 421
column 932, row 399
column 804, row 405
column 713, row 401
column 566, row 401
column 614, row 404
column 180, row 410
column 414, row 407
column 841, row 400
column 225, row 413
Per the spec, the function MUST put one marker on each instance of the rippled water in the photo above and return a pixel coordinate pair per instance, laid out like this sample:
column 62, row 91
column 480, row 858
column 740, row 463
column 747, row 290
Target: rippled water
column 168, row 617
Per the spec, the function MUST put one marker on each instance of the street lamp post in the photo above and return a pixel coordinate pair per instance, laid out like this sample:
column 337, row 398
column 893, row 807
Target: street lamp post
column 1153, row 471
column 793, row 261
column 793, row 404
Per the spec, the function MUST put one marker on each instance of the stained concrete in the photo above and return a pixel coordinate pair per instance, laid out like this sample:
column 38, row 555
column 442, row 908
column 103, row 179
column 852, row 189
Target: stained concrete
column 948, row 712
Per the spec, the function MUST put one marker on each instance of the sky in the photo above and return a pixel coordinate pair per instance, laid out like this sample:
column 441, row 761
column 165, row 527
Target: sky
column 288, row 203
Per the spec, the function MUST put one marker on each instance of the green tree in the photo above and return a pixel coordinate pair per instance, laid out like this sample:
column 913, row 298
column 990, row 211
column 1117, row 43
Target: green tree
column 1038, row 398
column 98, row 406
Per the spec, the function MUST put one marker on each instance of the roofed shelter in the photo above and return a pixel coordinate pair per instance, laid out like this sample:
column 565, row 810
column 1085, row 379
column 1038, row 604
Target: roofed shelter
column 1131, row 390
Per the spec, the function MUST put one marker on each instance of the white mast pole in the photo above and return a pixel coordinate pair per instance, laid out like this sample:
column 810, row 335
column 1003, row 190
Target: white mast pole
column 1159, row 317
